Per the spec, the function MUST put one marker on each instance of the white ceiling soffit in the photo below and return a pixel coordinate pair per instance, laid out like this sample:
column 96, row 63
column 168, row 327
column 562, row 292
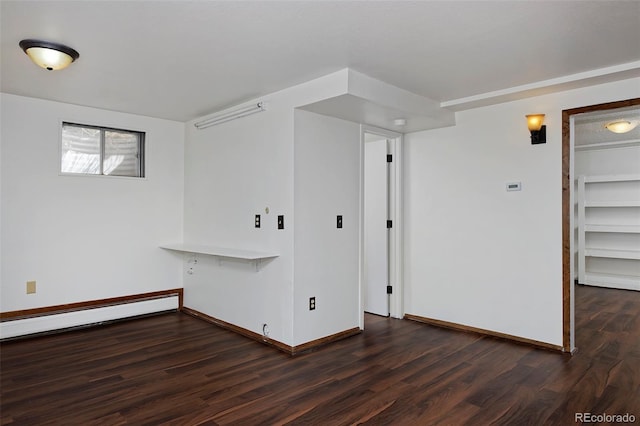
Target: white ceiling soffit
column 569, row 82
column 370, row 101
column 182, row 59
column 353, row 108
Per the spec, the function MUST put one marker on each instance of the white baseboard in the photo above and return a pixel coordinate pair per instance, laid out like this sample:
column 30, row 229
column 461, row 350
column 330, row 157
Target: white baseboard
column 39, row 324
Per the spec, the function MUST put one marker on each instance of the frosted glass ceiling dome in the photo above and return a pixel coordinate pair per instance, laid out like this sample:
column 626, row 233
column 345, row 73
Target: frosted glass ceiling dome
column 48, row 55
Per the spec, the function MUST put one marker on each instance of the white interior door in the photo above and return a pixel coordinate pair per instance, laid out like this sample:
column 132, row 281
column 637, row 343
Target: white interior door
column 376, row 247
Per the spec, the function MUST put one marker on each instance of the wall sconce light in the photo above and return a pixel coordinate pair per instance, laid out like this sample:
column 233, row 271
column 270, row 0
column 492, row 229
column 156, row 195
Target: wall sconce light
column 537, row 129
column 621, row 126
column 48, row 55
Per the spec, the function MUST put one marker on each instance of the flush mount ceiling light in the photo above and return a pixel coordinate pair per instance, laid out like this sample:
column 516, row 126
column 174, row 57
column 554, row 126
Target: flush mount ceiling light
column 621, row 126
column 48, row 55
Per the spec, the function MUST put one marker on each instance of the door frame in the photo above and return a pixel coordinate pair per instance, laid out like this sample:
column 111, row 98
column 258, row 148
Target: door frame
column 568, row 178
column 396, row 305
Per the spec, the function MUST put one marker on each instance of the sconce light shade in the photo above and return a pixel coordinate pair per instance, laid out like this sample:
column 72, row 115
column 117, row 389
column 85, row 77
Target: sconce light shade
column 534, row 121
column 621, row 126
column 537, row 129
column 48, row 55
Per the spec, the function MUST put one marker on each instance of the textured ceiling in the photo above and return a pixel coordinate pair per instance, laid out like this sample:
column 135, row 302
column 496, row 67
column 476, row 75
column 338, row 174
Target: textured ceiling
column 182, row 59
column 589, row 128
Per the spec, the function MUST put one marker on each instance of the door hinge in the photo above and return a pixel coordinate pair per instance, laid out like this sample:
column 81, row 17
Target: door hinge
column 389, row 289
column 389, row 224
column 389, row 158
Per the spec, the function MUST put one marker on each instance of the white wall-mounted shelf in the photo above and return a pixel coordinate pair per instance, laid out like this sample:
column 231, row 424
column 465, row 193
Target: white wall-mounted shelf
column 615, row 222
column 618, row 229
column 630, row 203
column 222, row 252
column 610, row 178
column 612, row 253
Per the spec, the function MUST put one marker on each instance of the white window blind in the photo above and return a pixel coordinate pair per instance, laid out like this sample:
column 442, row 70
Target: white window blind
column 94, row 150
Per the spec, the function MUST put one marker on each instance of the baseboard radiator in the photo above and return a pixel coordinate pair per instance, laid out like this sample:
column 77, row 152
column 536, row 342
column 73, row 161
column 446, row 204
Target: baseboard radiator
column 54, row 318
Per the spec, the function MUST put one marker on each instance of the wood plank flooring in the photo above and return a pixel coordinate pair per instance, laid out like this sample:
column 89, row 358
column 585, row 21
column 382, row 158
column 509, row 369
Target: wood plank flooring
column 176, row 369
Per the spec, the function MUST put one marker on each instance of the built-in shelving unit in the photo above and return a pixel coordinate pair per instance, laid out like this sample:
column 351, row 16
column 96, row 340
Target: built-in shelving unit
column 609, row 228
column 222, row 252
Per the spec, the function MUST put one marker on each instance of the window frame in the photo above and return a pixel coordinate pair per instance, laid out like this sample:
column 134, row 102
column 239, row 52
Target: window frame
column 141, row 157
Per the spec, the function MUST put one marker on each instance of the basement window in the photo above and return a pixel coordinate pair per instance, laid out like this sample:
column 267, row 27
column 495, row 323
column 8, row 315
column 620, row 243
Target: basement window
column 95, row 150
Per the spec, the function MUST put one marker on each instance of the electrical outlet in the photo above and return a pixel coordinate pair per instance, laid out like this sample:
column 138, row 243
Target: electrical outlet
column 280, row 222
column 31, row 287
column 257, row 221
column 312, row 303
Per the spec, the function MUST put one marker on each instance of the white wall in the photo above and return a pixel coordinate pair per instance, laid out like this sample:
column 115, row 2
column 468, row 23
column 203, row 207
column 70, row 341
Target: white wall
column 475, row 254
column 234, row 171
column 326, row 184
column 84, row 238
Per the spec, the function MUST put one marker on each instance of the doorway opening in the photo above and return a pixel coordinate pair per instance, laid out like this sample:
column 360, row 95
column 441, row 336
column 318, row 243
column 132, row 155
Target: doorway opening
column 381, row 223
column 573, row 261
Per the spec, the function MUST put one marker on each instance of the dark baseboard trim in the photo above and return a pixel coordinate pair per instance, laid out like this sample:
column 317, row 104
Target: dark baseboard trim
column 91, row 304
column 469, row 329
column 291, row 350
column 325, row 340
column 239, row 330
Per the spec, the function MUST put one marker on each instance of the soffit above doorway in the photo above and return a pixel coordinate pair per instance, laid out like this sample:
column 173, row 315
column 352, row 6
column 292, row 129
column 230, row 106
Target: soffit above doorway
column 369, row 101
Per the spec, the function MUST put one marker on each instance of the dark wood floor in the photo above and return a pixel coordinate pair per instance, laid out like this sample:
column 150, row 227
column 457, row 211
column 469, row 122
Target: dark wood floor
column 175, row 369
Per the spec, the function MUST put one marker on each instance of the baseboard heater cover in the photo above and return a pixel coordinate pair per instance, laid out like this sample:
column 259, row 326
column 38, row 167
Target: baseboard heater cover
column 94, row 315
